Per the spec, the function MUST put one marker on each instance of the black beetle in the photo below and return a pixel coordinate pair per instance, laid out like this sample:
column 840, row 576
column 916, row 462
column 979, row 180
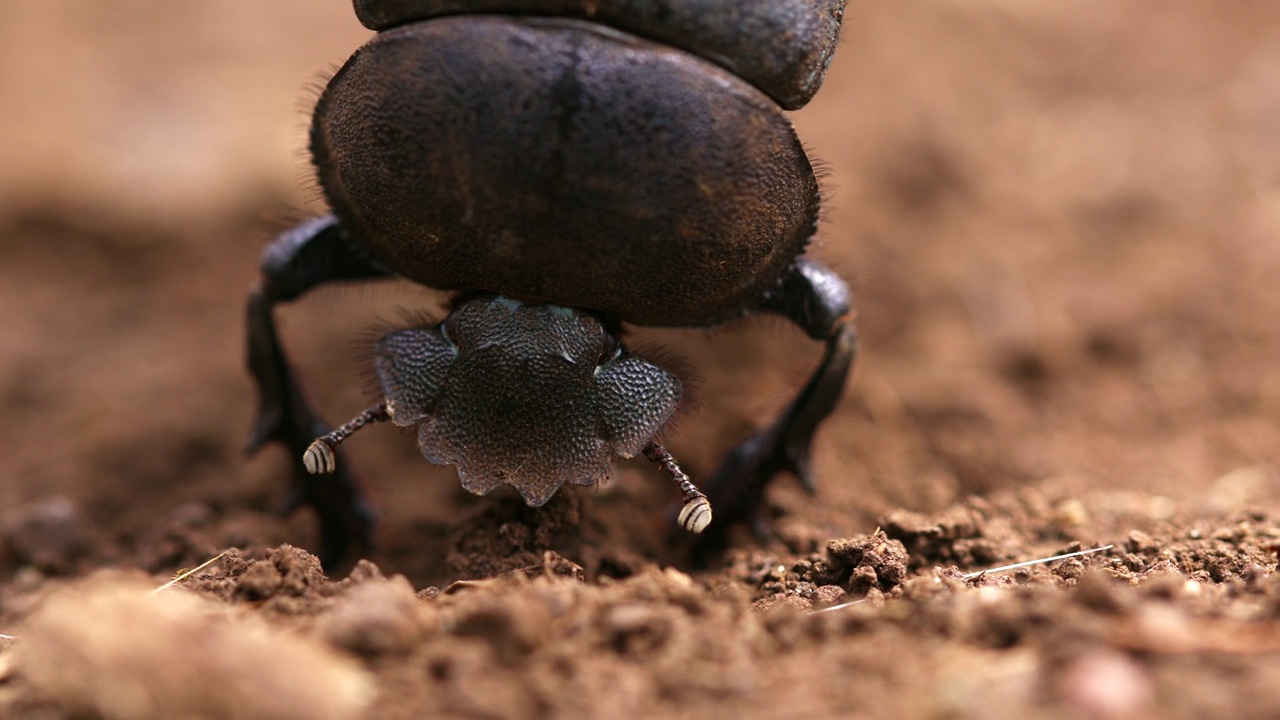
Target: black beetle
column 566, row 166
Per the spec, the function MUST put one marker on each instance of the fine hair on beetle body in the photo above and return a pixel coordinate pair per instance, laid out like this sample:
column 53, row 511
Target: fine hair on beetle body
column 565, row 172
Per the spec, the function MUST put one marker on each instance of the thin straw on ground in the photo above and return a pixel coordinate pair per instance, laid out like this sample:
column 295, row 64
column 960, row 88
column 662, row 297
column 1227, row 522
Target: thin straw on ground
column 988, row 571
column 841, row 606
column 1028, row 563
column 188, row 573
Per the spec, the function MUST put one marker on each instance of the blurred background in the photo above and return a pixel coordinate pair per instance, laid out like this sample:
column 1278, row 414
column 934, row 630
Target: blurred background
column 1060, row 219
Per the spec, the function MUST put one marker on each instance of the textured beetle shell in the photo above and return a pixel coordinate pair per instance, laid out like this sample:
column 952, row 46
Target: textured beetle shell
column 519, row 395
column 557, row 161
column 782, row 47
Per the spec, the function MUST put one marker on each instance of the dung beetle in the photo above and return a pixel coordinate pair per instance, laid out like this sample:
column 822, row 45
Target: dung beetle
column 565, row 167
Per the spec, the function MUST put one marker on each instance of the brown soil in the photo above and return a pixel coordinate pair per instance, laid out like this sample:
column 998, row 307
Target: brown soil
column 1061, row 220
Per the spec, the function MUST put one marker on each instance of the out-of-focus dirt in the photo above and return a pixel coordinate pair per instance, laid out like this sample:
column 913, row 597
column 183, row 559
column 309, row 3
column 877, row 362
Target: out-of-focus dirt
column 1062, row 222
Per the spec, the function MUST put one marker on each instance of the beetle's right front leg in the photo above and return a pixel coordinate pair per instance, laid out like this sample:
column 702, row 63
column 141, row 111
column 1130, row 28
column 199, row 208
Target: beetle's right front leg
column 312, row 254
column 816, row 299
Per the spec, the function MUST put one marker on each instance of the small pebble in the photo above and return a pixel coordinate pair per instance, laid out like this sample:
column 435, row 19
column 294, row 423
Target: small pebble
column 47, row 535
column 1108, row 684
column 117, row 651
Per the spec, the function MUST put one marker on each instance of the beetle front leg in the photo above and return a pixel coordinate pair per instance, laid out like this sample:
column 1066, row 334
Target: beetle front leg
column 818, row 301
column 309, row 255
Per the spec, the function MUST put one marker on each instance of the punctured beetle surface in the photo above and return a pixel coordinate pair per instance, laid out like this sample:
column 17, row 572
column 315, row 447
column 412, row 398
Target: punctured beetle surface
column 565, row 168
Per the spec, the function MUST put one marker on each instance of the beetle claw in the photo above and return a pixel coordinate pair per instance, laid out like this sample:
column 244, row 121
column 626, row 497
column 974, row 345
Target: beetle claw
column 801, row 465
column 265, row 429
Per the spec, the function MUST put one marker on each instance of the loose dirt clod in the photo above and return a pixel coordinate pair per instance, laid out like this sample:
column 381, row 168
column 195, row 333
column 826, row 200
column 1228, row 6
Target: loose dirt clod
column 379, row 617
column 114, row 651
column 48, row 535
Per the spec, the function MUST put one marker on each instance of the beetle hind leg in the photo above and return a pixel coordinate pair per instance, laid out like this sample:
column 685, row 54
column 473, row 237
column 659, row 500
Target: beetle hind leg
column 816, row 299
column 300, row 259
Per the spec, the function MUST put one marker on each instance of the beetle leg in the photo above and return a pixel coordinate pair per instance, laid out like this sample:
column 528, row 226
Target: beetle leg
column 300, row 259
column 818, row 301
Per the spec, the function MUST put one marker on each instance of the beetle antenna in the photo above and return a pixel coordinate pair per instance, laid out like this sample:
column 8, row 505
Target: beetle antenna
column 695, row 516
column 319, row 458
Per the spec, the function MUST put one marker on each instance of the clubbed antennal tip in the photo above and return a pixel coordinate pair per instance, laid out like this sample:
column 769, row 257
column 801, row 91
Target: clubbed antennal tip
column 695, row 516
column 319, row 458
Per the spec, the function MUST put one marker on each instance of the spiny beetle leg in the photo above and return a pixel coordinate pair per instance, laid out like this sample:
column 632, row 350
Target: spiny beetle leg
column 307, row 256
column 817, row 300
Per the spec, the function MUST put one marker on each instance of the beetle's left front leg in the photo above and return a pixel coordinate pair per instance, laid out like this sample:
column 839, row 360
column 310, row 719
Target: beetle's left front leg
column 313, row 254
column 817, row 300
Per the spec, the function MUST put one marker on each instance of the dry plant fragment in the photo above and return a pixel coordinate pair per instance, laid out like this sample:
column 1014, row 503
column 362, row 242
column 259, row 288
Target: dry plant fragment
column 989, row 571
column 6, row 659
column 183, row 575
column 1040, row 561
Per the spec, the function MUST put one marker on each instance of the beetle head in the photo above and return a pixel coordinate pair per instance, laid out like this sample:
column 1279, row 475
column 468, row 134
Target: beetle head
column 531, row 396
